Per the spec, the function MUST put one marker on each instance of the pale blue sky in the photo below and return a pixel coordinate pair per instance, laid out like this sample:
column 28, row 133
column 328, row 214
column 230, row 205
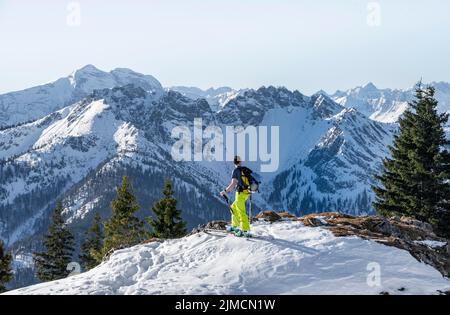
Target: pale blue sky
column 304, row 45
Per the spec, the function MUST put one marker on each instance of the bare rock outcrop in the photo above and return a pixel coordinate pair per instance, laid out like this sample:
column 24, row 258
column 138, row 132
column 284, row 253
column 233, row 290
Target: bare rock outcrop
column 213, row 225
column 405, row 233
column 269, row 216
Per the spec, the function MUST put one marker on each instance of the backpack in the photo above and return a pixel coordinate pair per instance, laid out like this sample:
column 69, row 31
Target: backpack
column 248, row 180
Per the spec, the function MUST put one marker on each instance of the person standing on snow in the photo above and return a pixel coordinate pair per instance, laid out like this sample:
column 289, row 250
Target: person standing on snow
column 239, row 219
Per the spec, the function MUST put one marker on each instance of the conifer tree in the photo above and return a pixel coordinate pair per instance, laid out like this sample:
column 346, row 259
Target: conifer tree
column 123, row 229
column 52, row 263
column 167, row 222
column 416, row 178
column 6, row 273
column 92, row 246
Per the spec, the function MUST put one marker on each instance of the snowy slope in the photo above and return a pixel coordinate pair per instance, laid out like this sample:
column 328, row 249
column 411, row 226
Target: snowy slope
column 34, row 103
column 284, row 258
column 387, row 105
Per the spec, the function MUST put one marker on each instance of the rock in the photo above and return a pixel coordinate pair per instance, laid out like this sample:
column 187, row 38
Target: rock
column 270, row 216
column 287, row 215
column 111, row 251
column 327, row 216
column 216, row 225
column 422, row 225
column 213, row 225
column 383, row 226
column 151, row 240
column 316, row 221
column 322, row 219
column 404, row 233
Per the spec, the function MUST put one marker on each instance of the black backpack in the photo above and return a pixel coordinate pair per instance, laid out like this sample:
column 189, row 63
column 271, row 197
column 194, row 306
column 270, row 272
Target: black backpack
column 247, row 180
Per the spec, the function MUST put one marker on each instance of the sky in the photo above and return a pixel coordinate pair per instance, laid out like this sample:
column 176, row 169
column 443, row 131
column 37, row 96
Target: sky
column 305, row 45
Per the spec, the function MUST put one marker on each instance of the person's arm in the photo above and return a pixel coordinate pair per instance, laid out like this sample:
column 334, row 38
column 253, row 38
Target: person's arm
column 233, row 183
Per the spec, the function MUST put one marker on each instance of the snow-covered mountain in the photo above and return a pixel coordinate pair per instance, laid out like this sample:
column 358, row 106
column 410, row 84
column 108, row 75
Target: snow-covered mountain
column 68, row 153
column 216, row 97
column 34, row 103
column 284, row 258
column 328, row 153
column 76, row 148
column 387, row 105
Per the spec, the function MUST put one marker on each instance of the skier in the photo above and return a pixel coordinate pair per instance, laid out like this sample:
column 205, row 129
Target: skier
column 239, row 219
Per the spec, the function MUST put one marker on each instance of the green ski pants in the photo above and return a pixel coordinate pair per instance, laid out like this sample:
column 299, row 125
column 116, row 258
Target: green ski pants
column 239, row 219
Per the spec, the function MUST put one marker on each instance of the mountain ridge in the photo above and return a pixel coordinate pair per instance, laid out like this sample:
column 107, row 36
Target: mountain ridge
column 387, row 105
column 33, row 103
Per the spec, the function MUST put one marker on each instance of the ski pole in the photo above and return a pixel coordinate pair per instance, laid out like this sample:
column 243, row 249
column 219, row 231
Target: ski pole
column 226, row 199
column 228, row 203
column 250, row 209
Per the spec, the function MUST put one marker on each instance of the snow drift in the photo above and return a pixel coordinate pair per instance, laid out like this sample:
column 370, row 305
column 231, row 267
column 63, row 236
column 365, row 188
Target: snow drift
column 284, row 258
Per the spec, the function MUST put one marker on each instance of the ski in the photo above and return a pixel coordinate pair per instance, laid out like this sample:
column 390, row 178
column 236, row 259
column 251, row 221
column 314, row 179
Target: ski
column 225, row 233
column 219, row 233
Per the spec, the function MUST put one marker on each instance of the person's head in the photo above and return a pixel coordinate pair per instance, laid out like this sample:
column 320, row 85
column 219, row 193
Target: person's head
column 237, row 161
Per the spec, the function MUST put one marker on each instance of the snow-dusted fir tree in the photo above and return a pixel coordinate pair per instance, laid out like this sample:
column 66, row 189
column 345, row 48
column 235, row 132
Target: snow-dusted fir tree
column 6, row 273
column 91, row 248
column 416, row 178
column 167, row 222
column 51, row 264
column 123, row 229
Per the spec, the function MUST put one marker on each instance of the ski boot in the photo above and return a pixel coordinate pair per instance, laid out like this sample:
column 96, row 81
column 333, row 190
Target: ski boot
column 231, row 229
column 239, row 233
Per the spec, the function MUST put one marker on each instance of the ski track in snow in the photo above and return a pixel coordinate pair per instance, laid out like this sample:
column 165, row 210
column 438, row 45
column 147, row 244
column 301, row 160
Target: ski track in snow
column 283, row 258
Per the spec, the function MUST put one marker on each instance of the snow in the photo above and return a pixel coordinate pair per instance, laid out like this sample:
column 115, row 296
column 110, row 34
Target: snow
column 22, row 261
column 26, row 228
column 93, row 121
column 16, row 141
column 387, row 105
column 102, row 136
column 217, row 98
column 36, row 102
column 284, row 258
column 297, row 134
column 344, row 135
column 432, row 244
